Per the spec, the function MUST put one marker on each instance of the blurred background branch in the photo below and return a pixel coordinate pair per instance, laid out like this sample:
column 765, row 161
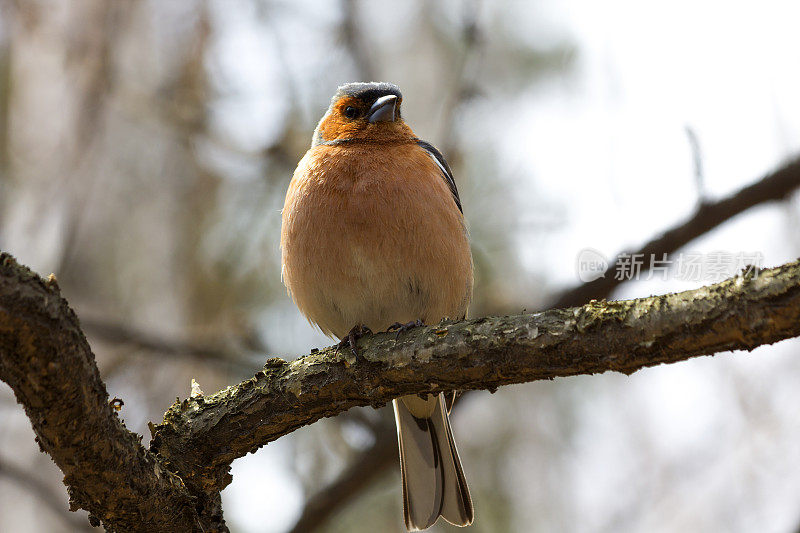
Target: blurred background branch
column 776, row 186
column 46, row 495
column 145, row 149
column 227, row 358
column 362, row 472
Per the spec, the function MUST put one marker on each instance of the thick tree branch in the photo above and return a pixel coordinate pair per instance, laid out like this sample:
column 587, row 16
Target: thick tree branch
column 773, row 187
column 202, row 436
column 709, row 215
column 46, row 360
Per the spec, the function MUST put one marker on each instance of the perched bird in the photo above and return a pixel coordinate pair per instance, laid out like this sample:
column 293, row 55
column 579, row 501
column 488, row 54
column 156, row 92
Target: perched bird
column 373, row 237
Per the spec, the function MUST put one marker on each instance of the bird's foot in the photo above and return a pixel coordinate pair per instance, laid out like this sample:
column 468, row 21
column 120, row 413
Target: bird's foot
column 397, row 326
column 352, row 337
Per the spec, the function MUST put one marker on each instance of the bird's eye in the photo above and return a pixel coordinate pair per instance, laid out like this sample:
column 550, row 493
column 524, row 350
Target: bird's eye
column 350, row 112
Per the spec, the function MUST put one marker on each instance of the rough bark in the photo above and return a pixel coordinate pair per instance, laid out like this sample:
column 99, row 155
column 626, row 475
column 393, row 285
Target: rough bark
column 175, row 485
column 201, row 436
column 46, row 360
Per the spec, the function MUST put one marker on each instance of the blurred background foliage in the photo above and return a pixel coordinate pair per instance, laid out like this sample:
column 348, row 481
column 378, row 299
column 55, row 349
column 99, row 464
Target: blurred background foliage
column 145, row 150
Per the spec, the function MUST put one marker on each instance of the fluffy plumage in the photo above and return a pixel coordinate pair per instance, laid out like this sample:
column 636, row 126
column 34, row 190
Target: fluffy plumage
column 372, row 235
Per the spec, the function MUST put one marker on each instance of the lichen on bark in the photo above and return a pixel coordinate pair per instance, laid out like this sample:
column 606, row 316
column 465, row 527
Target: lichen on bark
column 174, row 485
column 624, row 336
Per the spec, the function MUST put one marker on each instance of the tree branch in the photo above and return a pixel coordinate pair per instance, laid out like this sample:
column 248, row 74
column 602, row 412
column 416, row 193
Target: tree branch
column 46, row 360
column 202, row 436
column 773, row 187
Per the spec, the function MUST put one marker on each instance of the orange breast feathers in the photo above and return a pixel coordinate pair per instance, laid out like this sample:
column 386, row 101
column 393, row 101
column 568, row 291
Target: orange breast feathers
column 372, row 235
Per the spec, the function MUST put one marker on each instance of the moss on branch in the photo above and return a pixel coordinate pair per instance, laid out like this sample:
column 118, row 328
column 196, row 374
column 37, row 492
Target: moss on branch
column 202, row 436
column 174, row 486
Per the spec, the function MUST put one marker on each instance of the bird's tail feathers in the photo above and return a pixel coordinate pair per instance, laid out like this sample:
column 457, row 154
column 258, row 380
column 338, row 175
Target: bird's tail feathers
column 433, row 480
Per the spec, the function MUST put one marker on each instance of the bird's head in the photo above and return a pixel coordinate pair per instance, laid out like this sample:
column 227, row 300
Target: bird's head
column 363, row 112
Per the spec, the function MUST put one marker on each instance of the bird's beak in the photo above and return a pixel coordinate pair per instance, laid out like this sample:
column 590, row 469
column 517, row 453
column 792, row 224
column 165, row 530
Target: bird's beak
column 383, row 109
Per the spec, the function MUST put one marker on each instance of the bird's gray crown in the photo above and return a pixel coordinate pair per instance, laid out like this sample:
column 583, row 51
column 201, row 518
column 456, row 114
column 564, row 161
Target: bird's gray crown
column 367, row 91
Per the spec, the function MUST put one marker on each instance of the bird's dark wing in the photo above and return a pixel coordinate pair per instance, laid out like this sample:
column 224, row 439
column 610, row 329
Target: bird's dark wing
column 447, row 174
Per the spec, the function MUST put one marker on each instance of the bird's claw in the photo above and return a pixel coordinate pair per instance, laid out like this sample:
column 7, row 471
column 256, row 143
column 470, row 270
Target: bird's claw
column 352, row 337
column 397, row 326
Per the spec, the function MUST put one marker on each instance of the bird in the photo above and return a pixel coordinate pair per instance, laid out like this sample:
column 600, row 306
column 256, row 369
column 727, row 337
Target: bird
column 373, row 238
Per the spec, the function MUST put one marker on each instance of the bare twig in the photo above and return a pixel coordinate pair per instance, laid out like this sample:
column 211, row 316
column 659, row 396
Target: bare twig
column 362, row 471
column 773, row 187
column 46, row 495
column 697, row 163
column 118, row 333
column 90, row 60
